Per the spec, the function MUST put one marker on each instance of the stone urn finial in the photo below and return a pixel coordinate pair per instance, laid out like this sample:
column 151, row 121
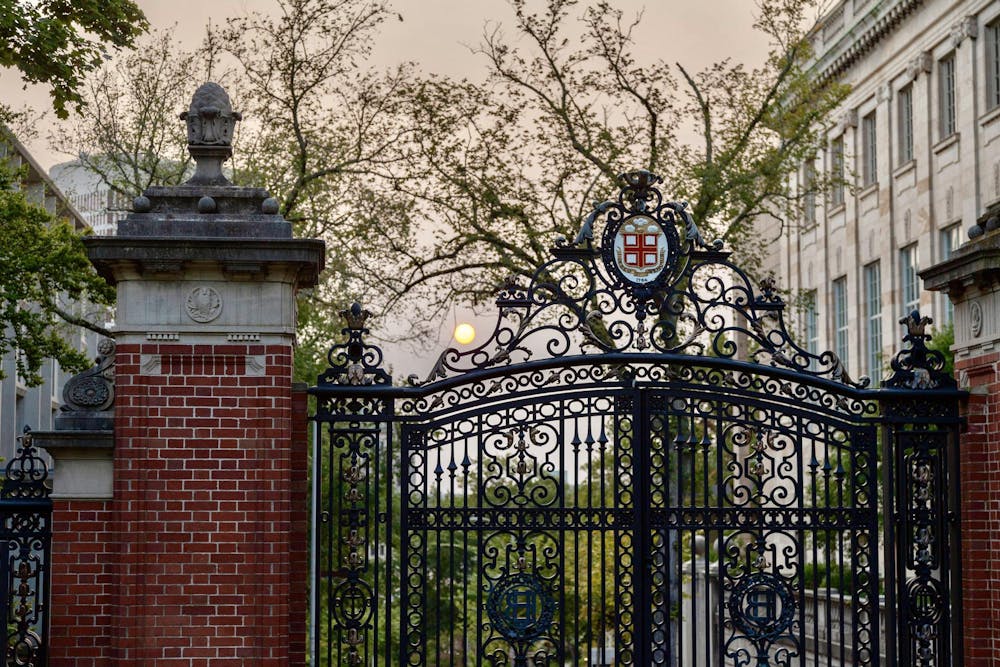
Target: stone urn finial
column 210, row 124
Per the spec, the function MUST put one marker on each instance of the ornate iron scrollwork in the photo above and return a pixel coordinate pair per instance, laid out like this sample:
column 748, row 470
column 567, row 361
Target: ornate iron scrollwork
column 355, row 362
column 551, row 511
column 916, row 366
column 652, row 284
column 25, row 533
column 27, row 474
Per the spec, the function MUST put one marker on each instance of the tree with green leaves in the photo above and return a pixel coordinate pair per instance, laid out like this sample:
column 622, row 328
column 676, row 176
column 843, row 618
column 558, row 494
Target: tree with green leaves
column 46, row 284
column 431, row 191
column 46, row 280
column 499, row 170
column 58, row 42
column 317, row 123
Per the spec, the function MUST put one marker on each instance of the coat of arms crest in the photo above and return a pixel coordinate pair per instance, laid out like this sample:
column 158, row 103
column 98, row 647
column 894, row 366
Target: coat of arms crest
column 640, row 249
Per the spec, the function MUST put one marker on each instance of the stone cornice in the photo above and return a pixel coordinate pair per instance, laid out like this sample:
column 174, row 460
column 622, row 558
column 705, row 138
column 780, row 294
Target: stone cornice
column 252, row 258
column 975, row 263
column 862, row 38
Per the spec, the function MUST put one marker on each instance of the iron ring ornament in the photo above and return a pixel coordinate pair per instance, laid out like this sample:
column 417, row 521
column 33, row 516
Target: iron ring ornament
column 521, row 607
column 762, row 607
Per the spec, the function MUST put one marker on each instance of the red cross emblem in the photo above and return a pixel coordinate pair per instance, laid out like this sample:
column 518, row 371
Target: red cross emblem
column 640, row 250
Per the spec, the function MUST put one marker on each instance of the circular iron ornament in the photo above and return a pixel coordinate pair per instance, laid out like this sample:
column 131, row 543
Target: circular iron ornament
column 90, row 392
column 640, row 251
column 925, row 600
column 762, row 606
column 521, row 607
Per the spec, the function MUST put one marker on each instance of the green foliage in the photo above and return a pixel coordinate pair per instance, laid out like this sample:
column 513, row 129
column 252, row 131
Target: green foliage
column 58, row 42
column 836, row 576
column 43, row 266
column 430, row 190
column 941, row 340
column 128, row 132
column 498, row 170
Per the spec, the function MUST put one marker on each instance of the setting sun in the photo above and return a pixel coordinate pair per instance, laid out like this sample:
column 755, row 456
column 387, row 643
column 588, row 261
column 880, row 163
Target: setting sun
column 465, row 333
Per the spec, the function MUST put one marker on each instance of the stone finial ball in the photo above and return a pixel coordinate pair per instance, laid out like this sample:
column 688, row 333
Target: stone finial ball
column 141, row 204
column 206, row 205
column 993, row 222
column 269, row 206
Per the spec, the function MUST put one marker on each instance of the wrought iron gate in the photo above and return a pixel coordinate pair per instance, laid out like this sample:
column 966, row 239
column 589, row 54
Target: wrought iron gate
column 639, row 467
column 25, row 546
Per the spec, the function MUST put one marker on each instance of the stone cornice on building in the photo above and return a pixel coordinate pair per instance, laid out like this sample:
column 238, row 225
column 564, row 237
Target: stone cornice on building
column 36, row 174
column 862, row 37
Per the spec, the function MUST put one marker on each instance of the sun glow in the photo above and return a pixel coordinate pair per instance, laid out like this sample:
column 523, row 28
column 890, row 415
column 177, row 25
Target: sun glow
column 465, row 333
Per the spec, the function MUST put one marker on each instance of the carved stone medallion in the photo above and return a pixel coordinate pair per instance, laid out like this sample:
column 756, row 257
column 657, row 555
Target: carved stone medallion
column 204, row 304
column 975, row 319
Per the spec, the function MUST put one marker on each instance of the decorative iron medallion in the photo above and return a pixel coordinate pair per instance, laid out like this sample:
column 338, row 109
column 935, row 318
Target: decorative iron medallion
column 640, row 250
column 521, row 607
column 762, row 607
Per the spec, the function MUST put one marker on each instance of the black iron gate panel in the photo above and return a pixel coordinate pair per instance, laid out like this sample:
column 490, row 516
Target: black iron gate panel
column 673, row 499
column 25, row 547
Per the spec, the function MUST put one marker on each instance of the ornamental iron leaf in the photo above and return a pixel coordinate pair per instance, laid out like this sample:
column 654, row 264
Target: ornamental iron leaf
column 916, row 366
column 355, row 362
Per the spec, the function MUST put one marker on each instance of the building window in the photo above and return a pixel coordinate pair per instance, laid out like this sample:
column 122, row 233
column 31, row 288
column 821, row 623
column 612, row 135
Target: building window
column 809, row 196
column 993, row 65
column 869, row 165
column 946, row 81
column 909, row 279
column 840, row 319
column 951, row 238
column 904, row 106
column 873, row 319
column 837, row 171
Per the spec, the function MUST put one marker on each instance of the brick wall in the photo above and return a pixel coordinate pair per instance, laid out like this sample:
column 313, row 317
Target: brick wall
column 205, row 519
column 980, row 479
column 83, row 558
column 299, row 539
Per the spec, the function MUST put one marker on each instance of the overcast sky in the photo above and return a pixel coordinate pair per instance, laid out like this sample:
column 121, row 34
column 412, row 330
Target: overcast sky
column 436, row 34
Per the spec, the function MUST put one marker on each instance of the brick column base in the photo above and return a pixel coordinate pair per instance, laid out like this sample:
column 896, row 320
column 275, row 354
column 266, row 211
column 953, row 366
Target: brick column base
column 83, row 584
column 980, row 479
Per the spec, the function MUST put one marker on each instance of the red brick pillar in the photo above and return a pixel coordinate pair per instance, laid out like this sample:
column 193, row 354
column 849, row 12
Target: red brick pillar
column 972, row 280
column 207, row 522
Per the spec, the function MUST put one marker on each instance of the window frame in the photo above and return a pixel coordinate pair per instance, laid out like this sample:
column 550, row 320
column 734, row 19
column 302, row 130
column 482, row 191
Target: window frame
column 869, row 150
column 949, row 238
column 909, row 266
column 837, row 165
column 947, row 97
column 991, row 32
column 904, row 113
column 872, row 275
column 841, row 320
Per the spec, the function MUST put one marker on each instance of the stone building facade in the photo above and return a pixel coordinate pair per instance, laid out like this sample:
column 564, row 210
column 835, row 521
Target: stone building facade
column 19, row 403
column 918, row 144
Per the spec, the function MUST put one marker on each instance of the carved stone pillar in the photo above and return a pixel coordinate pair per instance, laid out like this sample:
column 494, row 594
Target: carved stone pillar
column 204, row 535
column 971, row 278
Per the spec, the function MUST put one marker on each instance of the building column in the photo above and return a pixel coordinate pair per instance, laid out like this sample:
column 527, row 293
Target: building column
column 208, row 510
column 971, row 278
